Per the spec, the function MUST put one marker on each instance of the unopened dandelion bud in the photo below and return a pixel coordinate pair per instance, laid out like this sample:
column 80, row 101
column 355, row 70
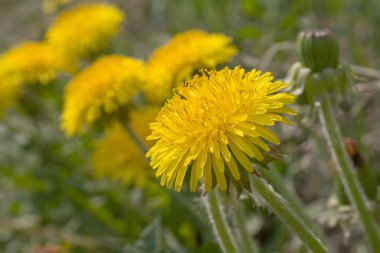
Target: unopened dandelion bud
column 318, row 71
column 318, row 49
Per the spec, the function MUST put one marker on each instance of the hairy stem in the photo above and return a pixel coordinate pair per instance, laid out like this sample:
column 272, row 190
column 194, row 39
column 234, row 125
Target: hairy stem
column 248, row 245
column 273, row 178
column 219, row 224
column 347, row 174
column 282, row 208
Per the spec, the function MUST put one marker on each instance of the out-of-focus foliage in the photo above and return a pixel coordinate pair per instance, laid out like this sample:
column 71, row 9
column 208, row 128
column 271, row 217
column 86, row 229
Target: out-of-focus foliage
column 49, row 194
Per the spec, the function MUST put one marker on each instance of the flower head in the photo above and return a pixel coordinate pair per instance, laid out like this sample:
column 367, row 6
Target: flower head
column 128, row 164
column 101, row 89
column 85, row 29
column 179, row 58
column 214, row 125
column 30, row 63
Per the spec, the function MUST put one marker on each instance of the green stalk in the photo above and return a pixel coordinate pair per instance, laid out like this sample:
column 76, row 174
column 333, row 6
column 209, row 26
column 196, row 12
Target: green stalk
column 282, row 208
column 273, row 178
column 247, row 243
column 219, row 224
column 347, row 173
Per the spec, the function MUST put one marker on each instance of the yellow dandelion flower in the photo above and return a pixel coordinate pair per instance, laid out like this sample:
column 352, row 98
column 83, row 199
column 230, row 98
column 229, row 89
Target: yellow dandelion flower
column 29, row 63
column 128, row 164
column 179, row 58
column 215, row 124
column 84, row 30
column 101, row 89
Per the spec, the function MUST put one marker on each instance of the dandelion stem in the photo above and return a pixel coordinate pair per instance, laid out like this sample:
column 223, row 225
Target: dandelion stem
column 273, row 178
column 219, row 224
column 347, row 173
column 241, row 227
column 282, row 208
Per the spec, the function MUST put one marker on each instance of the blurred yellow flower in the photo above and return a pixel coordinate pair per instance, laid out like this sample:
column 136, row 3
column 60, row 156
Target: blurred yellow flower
column 179, row 58
column 29, row 63
column 217, row 121
column 117, row 157
column 101, row 89
column 140, row 120
column 84, row 30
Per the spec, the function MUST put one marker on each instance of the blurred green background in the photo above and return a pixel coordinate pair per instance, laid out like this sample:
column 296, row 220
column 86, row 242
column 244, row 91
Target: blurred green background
column 47, row 192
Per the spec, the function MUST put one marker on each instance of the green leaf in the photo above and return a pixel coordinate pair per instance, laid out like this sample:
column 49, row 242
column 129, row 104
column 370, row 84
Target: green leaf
column 150, row 238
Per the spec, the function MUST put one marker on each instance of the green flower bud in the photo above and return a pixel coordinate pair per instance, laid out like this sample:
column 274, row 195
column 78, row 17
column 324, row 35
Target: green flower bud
column 318, row 49
column 318, row 71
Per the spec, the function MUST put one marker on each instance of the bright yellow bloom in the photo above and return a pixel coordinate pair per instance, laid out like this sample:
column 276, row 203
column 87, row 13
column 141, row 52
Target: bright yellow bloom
column 215, row 124
column 117, row 156
column 101, row 89
column 84, row 30
column 30, row 63
column 179, row 58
